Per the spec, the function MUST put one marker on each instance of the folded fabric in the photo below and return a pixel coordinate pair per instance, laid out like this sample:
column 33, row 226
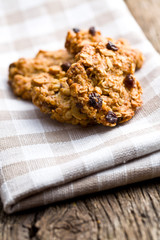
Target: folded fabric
column 43, row 161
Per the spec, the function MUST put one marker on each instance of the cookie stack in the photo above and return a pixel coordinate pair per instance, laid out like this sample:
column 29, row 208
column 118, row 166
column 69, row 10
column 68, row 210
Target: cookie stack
column 91, row 81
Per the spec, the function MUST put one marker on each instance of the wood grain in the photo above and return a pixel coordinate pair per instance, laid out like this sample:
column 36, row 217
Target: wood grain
column 130, row 212
column 147, row 14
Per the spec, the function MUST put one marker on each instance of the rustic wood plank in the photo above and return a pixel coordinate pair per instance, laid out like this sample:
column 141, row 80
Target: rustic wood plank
column 147, row 14
column 130, row 212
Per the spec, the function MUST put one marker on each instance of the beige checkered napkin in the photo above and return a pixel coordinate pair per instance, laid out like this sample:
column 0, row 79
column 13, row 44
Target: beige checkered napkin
column 43, row 161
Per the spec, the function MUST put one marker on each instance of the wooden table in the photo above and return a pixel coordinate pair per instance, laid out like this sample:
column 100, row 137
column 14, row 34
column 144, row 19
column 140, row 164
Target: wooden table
column 130, row 212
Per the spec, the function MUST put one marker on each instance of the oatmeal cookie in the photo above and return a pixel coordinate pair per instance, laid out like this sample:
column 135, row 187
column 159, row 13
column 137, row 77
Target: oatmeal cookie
column 76, row 39
column 51, row 93
column 21, row 72
column 102, row 82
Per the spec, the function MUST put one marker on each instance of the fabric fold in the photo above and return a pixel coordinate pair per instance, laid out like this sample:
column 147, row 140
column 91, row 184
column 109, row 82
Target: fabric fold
column 141, row 169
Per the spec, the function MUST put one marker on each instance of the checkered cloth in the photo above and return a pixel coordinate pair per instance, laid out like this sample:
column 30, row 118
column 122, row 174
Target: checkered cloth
column 43, row 161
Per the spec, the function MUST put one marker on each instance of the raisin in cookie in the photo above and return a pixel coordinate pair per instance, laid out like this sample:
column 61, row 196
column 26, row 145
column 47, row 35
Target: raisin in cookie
column 21, row 72
column 102, row 81
column 51, row 93
column 76, row 39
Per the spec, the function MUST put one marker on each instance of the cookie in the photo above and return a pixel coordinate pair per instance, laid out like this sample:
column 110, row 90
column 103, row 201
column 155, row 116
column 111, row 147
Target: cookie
column 76, row 39
column 51, row 93
column 21, row 72
column 102, row 82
